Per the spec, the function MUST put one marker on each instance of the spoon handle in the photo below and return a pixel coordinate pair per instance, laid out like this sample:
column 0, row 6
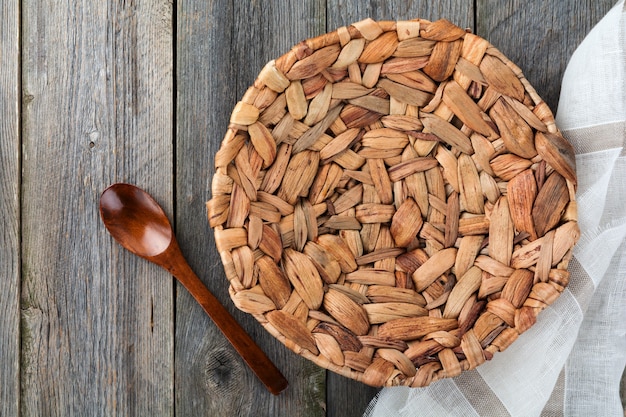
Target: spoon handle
column 251, row 353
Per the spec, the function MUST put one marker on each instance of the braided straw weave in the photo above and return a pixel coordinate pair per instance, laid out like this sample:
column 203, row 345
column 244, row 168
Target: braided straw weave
column 394, row 202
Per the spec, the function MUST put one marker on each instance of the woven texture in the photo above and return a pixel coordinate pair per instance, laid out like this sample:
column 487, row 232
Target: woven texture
column 394, row 202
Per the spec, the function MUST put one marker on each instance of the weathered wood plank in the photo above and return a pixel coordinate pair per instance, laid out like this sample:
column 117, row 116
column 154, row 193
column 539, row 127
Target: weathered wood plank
column 97, row 322
column 9, row 209
column 345, row 397
column 345, row 12
column 539, row 36
column 221, row 47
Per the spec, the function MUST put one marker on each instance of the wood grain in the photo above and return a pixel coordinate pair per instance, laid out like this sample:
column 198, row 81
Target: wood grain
column 221, row 47
column 97, row 322
column 345, row 12
column 539, row 36
column 9, row 209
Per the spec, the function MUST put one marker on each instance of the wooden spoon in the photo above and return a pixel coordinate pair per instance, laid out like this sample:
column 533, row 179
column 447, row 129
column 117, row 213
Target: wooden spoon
column 140, row 225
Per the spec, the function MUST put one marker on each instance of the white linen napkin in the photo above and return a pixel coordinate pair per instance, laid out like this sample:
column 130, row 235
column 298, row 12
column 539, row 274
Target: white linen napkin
column 571, row 361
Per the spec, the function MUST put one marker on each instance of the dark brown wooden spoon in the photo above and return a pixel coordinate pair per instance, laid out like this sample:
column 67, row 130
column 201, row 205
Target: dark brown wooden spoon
column 140, row 225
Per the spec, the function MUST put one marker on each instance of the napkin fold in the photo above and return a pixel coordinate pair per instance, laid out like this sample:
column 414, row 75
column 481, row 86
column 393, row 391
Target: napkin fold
column 571, row 361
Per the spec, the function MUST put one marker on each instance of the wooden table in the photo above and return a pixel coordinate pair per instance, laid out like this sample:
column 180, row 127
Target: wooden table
column 141, row 91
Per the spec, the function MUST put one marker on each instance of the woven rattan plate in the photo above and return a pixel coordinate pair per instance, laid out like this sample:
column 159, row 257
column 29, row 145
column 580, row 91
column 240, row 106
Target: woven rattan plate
column 394, row 202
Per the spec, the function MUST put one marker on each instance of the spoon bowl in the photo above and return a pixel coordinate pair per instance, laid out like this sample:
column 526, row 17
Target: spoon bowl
column 140, row 225
column 135, row 220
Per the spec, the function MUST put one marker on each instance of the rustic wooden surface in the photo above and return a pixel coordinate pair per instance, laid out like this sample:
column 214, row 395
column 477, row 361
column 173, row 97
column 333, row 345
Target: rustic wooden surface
column 9, row 209
column 141, row 91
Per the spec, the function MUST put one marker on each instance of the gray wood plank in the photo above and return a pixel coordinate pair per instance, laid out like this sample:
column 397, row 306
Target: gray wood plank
column 347, row 398
column 539, row 36
column 622, row 390
column 9, row 209
column 221, row 47
column 345, row 12
column 96, row 321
